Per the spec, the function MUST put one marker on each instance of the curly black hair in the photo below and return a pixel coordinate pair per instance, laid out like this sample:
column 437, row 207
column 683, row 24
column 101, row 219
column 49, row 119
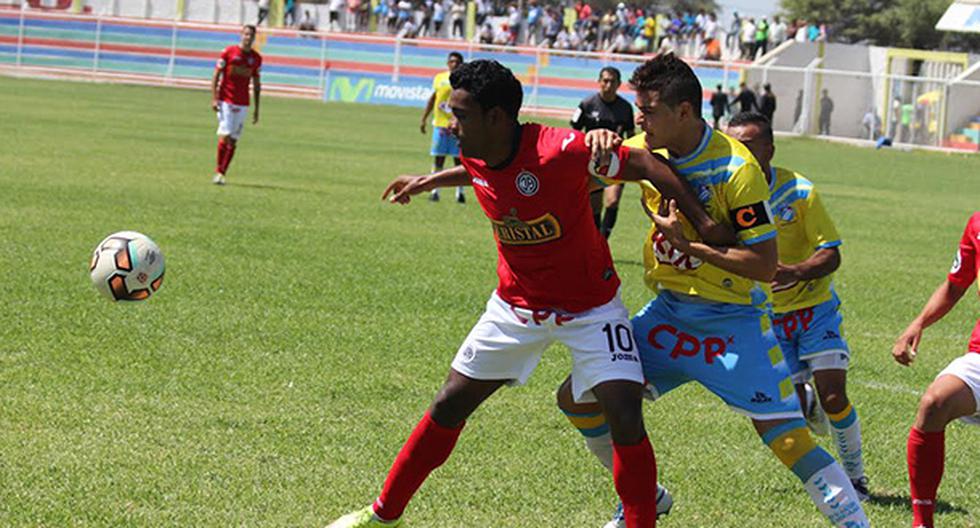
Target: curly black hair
column 672, row 79
column 491, row 84
column 753, row 118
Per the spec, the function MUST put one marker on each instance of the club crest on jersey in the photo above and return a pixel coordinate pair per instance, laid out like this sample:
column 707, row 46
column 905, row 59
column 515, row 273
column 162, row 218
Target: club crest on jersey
column 513, row 231
column 527, row 183
column 704, row 193
column 785, row 213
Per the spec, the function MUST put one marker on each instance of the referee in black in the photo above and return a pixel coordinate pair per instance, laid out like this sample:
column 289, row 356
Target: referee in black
column 606, row 110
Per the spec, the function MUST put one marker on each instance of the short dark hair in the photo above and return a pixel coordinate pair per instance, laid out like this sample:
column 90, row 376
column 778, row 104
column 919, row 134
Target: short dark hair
column 753, row 118
column 252, row 27
column 672, row 79
column 491, row 84
column 457, row 55
column 612, row 71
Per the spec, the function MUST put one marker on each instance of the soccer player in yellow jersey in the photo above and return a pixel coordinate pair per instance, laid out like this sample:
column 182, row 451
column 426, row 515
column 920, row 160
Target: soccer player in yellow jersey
column 443, row 142
column 710, row 321
column 807, row 319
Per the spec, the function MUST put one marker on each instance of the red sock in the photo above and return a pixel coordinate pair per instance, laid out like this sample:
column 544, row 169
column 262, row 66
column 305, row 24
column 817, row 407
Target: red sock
column 426, row 449
column 926, row 455
column 221, row 157
column 635, row 477
column 226, row 160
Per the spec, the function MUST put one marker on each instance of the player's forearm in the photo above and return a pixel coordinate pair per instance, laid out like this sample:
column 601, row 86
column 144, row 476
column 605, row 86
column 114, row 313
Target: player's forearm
column 428, row 108
column 645, row 166
column 256, row 92
column 822, row 263
column 214, row 85
column 454, row 177
column 940, row 303
column 752, row 262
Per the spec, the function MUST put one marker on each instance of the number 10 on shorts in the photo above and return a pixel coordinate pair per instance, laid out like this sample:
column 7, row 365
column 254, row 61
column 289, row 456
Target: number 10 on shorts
column 619, row 338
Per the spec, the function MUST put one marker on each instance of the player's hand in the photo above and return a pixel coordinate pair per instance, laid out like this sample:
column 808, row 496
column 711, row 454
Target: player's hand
column 786, row 277
column 422, row 127
column 402, row 188
column 214, row 105
column 907, row 344
column 602, row 142
column 669, row 224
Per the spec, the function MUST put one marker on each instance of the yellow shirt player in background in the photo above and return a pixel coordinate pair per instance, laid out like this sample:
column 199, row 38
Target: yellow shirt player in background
column 807, row 319
column 443, row 142
column 710, row 320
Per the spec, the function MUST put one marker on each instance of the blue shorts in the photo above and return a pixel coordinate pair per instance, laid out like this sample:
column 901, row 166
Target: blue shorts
column 808, row 333
column 728, row 348
column 444, row 143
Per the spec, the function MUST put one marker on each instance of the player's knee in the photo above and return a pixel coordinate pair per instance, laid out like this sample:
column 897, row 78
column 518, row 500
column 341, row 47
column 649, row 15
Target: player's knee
column 933, row 411
column 452, row 405
column 563, row 396
column 833, row 397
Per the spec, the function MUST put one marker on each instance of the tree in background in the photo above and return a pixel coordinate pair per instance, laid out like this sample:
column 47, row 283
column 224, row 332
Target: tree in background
column 896, row 23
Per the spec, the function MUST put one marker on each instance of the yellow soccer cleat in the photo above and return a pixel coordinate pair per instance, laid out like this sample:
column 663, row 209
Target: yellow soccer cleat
column 364, row 518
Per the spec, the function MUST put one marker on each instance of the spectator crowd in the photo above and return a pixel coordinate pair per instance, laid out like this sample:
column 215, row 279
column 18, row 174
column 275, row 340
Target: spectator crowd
column 625, row 28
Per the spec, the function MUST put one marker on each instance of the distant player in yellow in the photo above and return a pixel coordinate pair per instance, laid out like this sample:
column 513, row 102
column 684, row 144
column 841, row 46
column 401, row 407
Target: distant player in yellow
column 807, row 316
column 710, row 321
column 443, row 142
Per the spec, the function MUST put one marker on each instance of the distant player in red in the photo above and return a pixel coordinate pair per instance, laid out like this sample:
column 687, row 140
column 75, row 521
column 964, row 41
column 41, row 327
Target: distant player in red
column 556, row 283
column 238, row 66
column 955, row 393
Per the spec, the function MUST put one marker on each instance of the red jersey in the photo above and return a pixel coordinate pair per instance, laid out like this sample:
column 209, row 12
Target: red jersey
column 237, row 69
column 550, row 254
column 966, row 267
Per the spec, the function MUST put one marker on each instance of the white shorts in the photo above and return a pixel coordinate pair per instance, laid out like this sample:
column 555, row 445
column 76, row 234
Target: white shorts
column 231, row 119
column 828, row 360
column 967, row 369
column 507, row 343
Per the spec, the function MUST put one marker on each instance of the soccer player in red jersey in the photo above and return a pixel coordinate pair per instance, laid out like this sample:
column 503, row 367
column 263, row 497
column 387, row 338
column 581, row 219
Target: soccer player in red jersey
column 238, row 66
column 556, row 283
column 955, row 393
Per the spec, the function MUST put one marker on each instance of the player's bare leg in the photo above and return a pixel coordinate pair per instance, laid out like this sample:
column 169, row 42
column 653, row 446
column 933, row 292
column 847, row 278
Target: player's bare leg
column 610, row 198
column 823, row 478
column 428, row 447
column 634, row 465
column 946, row 399
column 438, row 162
column 590, row 421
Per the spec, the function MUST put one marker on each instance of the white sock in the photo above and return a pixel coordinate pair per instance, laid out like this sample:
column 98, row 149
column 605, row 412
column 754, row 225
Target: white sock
column 459, row 191
column 601, row 447
column 847, row 435
column 832, row 492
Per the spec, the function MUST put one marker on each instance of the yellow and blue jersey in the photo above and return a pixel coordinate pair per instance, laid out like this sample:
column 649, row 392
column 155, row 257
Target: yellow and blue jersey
column 804, row 227
column 441, row 115
column 732, row 187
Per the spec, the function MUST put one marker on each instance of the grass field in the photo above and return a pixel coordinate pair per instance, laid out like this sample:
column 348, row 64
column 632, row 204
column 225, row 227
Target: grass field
column 304, row 325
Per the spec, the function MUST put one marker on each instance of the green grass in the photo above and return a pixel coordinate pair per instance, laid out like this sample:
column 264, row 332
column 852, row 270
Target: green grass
column 304, row 325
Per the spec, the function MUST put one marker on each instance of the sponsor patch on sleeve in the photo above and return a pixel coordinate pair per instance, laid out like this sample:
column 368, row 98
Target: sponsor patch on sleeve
column 750, row 216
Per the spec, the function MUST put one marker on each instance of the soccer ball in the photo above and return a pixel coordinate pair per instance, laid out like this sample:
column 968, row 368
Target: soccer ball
column 127, row 266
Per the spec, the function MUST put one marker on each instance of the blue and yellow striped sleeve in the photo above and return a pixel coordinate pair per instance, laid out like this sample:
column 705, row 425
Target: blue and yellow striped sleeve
column 820, row 229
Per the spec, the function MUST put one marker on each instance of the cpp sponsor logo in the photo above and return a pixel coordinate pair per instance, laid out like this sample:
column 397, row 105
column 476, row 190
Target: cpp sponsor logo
column 680, row 343
column 793, row 321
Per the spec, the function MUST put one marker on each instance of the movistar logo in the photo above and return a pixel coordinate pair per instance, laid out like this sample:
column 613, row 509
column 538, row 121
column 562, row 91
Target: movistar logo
column 341, row 89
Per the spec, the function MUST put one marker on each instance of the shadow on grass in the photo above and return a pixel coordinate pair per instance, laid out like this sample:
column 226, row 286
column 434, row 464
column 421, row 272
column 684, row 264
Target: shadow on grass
column 625, row 262
column 268, row 187
column 884, row 499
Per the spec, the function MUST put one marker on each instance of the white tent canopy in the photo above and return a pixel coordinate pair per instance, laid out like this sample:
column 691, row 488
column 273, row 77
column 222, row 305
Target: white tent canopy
column 963, row 16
